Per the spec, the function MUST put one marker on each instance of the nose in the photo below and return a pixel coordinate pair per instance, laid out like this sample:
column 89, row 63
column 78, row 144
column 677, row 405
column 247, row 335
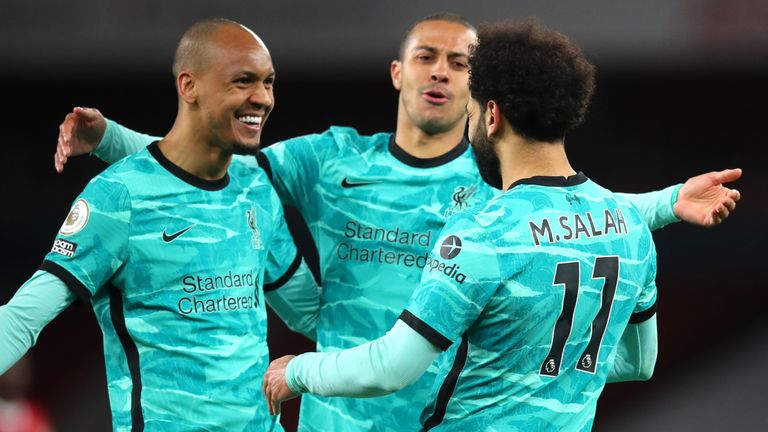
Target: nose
column 261, row 96
column 439, row 73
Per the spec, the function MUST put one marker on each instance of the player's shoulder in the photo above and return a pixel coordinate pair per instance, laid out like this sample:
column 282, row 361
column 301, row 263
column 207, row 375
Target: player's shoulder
column 506, row 205
column 350, row 133
column 132, row 165
column 348, row 138
column 121, row 174
column 335, row 141
column 618, row 201
column 631, row 221
column 109, row 189
column 542, row 197
column 340, row 136
column 477, row 222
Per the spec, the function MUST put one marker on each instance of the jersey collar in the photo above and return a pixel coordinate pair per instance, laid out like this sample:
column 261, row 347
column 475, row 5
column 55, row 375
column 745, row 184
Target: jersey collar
column 556, row 181
column 209, row 185
column 417, row 162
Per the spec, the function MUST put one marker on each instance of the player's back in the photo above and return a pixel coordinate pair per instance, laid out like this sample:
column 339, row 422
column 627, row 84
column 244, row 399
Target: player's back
column 576, row 262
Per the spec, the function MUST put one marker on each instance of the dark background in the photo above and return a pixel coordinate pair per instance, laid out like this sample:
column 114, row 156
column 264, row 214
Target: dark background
column 681, row 90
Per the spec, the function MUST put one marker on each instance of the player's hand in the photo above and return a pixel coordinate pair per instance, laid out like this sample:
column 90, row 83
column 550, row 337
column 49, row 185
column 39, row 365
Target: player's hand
column 275, row 388
column 703, row 200
column 79, row 133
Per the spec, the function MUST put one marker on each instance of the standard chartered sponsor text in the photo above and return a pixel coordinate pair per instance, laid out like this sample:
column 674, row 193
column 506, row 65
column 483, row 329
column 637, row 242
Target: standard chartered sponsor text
column 210, row 294
column 362, row 251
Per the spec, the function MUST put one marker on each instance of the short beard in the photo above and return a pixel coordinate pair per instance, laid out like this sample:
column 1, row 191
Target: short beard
column 245, row 150
column 485, row 156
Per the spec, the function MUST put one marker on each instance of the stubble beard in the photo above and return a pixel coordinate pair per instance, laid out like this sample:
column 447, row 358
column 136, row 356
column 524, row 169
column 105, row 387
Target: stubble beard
column 239, row 148
column 486, row 158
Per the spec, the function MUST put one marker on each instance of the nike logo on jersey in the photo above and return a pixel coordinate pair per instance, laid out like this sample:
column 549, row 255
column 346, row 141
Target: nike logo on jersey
column 171, row 237
column 347, row 184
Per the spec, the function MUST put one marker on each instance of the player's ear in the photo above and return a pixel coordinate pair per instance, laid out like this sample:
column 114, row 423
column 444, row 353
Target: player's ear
column 187, row 85
column 493, row 119
column 395, row 71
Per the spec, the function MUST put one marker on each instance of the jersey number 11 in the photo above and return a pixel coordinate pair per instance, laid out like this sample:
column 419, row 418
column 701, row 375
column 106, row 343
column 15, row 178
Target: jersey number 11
column 567, row 273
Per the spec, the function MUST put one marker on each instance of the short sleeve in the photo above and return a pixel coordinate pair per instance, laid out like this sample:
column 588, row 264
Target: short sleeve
column 283, row 258
column 460, row 276
column 92, row 242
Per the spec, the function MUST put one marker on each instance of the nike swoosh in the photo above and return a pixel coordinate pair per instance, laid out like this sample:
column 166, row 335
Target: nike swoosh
column 169, row 238
column 347, row 184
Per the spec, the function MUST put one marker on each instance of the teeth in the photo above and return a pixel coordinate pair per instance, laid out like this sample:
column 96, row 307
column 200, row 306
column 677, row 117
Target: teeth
column 255, row 120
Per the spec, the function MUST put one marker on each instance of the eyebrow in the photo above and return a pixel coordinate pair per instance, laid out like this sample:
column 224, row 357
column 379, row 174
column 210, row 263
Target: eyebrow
column 254, row 75
column 433, row 50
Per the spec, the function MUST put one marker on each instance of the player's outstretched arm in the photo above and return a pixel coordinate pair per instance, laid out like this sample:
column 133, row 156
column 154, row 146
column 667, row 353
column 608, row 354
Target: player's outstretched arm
column 34, row 305
column 636, row 353
column 376, row 368
column 86, row 130
column 704, row 200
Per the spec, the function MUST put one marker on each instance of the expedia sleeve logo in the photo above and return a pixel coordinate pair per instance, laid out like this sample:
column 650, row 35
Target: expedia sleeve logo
column 76, row 219
column 450, row 248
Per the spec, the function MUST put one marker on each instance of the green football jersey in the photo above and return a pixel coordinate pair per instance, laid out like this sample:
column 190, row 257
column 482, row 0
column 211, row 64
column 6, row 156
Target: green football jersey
column 530, row 295
column 175, row 268
column 374, row 212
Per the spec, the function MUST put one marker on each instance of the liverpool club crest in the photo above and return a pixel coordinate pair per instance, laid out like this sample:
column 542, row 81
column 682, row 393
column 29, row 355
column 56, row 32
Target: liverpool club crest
column 255, row 233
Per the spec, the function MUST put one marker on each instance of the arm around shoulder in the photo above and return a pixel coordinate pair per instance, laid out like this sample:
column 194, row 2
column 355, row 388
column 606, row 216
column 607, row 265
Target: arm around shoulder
column 119, row 141
column 376, row 368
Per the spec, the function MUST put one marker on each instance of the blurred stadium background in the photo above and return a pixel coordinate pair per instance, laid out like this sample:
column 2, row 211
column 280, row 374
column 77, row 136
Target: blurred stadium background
column 682, row 89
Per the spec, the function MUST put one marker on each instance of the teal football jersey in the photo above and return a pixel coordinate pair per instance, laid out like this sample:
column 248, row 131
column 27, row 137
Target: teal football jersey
column 374, row 212
column 530, row 295
column 175, row 268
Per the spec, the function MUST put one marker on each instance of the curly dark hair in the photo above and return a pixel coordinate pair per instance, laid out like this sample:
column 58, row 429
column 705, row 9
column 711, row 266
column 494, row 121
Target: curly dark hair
column 540, row 79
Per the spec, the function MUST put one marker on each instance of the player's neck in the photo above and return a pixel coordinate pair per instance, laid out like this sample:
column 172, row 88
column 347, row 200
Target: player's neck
column 422, row 145
column 185, row 149
column 520, row 158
